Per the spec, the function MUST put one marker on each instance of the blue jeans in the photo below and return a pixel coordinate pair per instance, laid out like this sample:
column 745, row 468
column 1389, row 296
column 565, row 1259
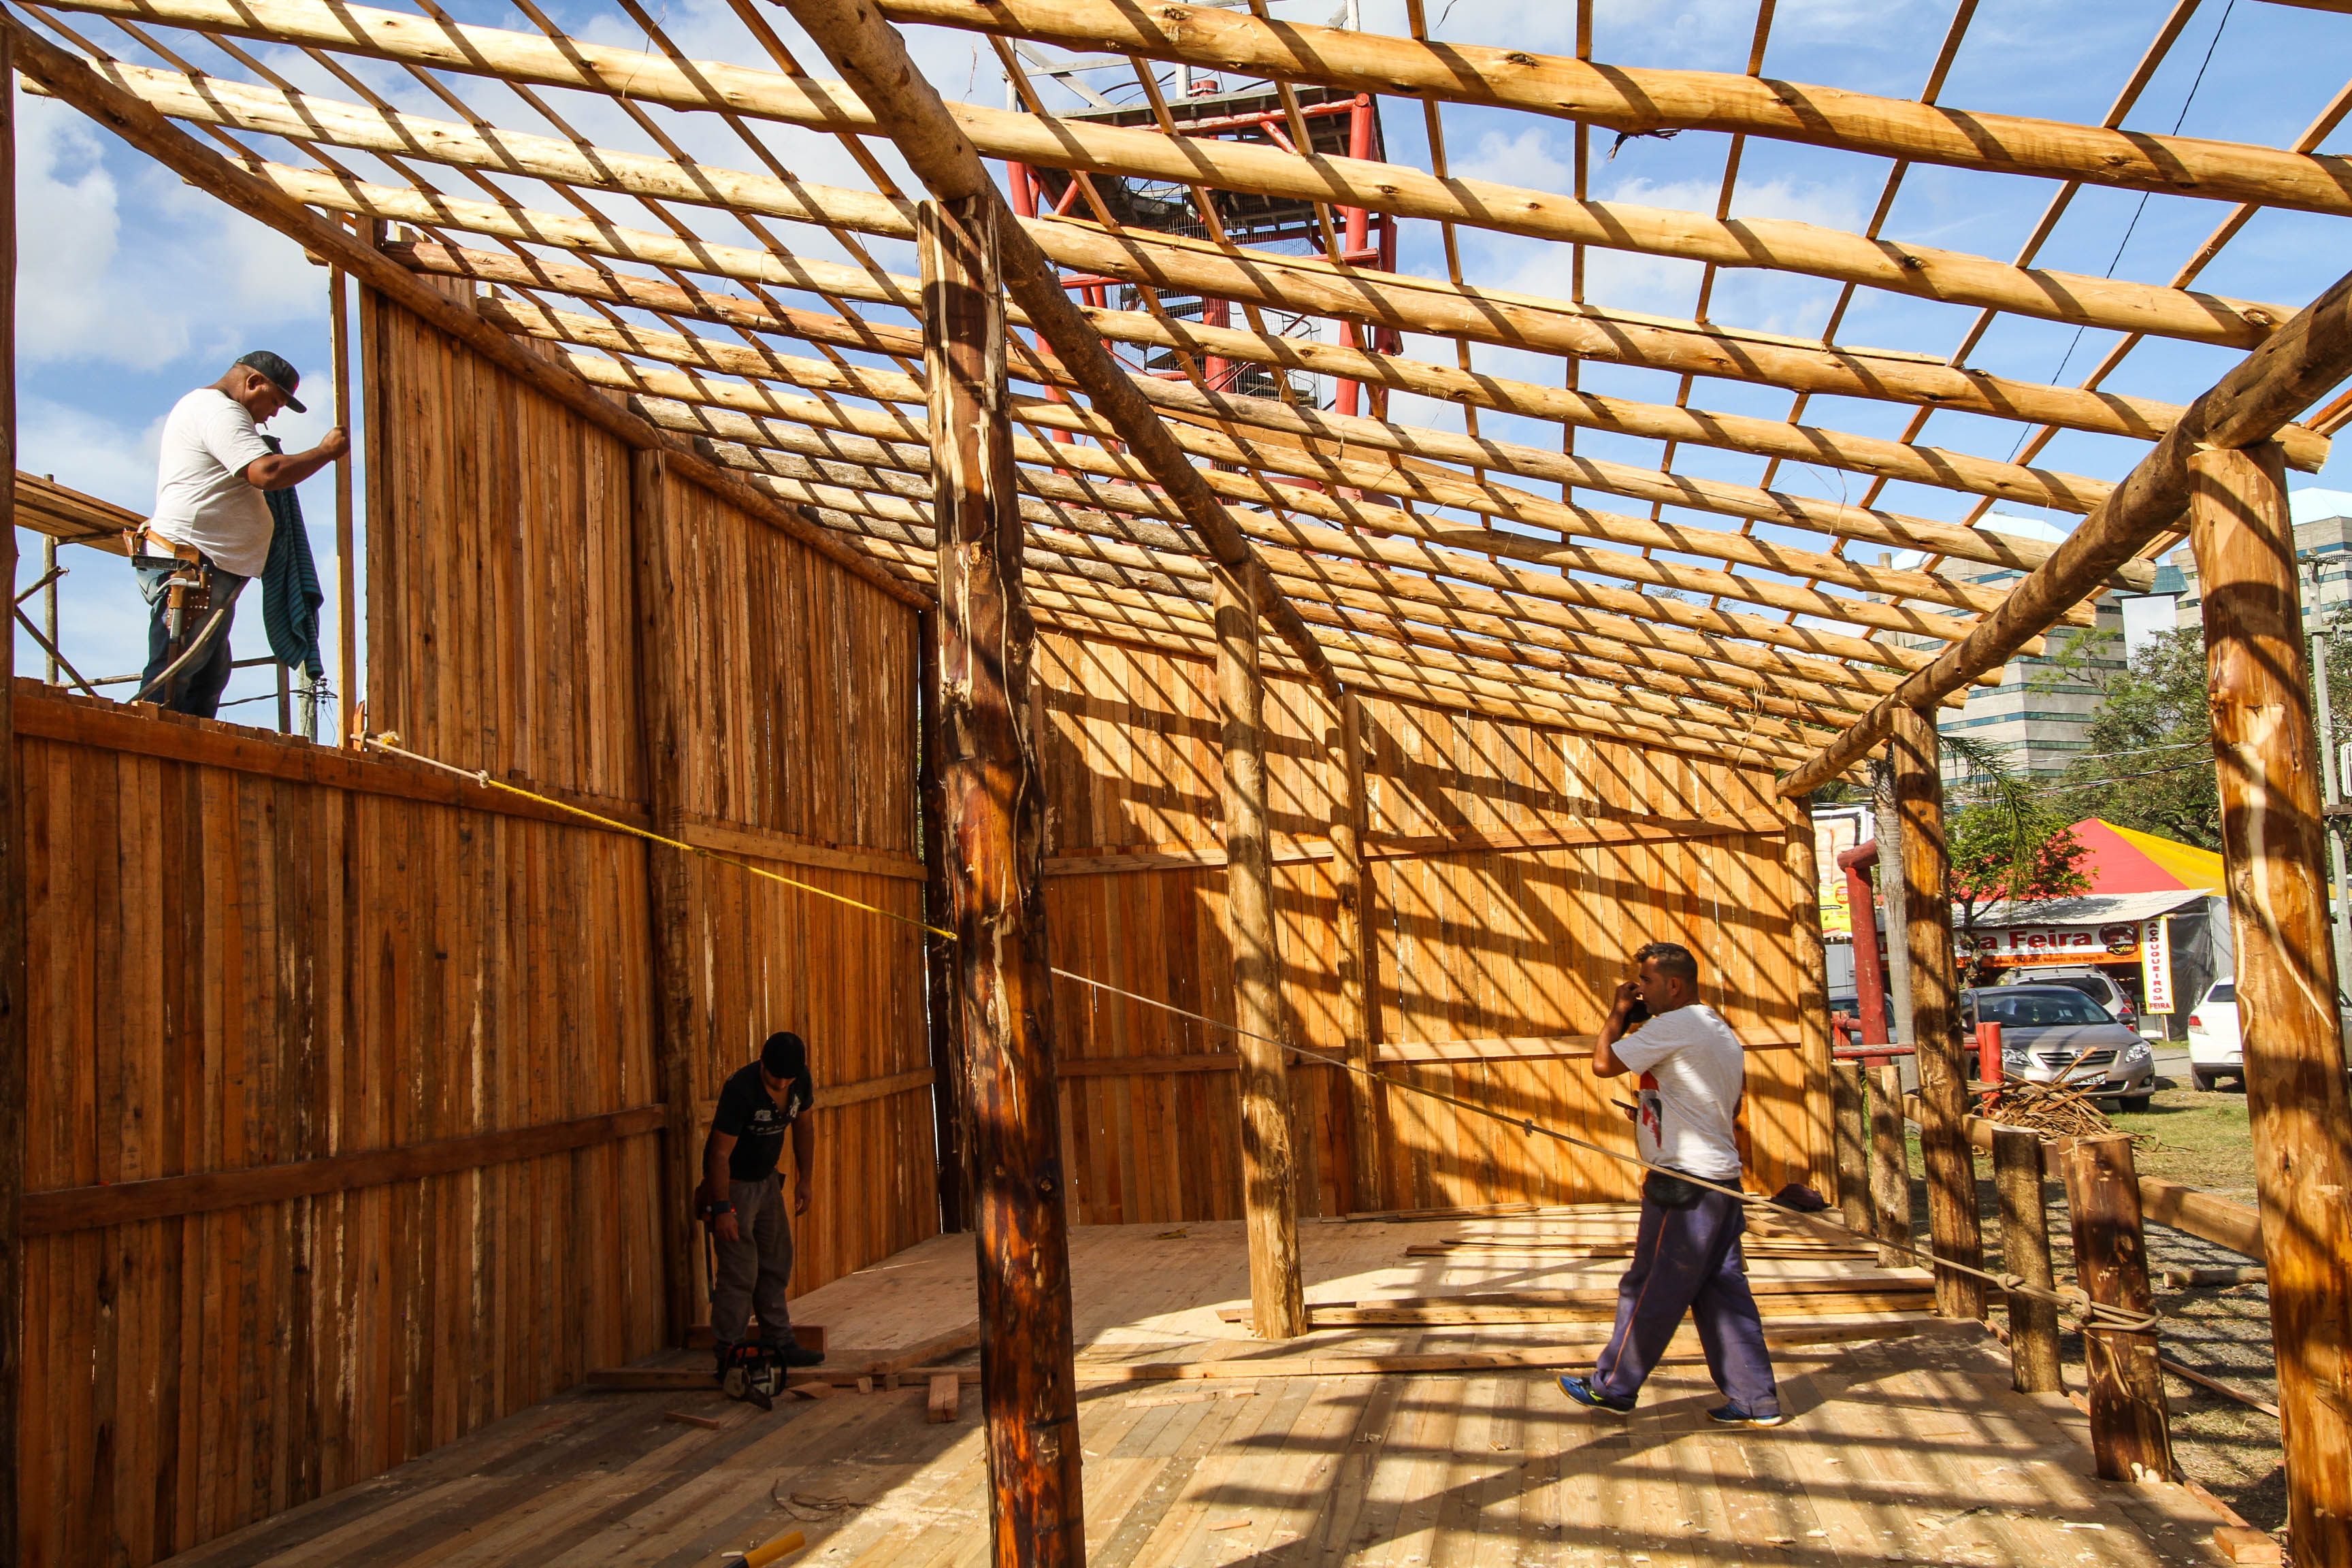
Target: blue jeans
column 1688, row 1260
column 202, row 683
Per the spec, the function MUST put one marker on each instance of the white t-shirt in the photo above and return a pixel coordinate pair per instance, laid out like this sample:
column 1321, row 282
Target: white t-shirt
column 1692, row 1067
column 201, row 494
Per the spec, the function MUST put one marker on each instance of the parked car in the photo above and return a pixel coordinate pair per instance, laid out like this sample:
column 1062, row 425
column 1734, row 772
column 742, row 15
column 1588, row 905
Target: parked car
column 2217, row 1043
column 2052, row 1034
column 2098, row 986
column 2216, row 1047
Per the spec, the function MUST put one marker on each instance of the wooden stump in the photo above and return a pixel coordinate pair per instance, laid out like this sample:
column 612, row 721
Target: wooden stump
column 1890, row 1169
column 2130, row 1435
column 2025, row 1252
column 1851, row 1089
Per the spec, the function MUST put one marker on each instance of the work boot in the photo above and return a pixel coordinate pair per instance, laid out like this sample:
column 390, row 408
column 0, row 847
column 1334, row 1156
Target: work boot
column 791, row 1352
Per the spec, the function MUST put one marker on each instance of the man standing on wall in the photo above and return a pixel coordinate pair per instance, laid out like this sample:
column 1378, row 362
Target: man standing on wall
column 210, row 534
column 1687, row 1254
column 743, row 1203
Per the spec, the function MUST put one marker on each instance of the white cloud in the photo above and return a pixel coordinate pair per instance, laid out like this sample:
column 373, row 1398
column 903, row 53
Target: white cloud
column 83, row 296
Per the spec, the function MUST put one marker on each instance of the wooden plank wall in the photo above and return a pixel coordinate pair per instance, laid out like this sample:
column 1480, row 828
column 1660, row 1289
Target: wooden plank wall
column 499, row 626
column 249, row 954
column 1479, row 947
column 232, row 970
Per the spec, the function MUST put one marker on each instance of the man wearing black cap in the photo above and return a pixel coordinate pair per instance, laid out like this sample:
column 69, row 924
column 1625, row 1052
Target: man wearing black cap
column 744, row 1205
column 211, row 529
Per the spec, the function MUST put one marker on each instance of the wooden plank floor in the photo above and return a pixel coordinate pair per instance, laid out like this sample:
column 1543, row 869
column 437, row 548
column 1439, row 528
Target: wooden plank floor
column 1906, row 1450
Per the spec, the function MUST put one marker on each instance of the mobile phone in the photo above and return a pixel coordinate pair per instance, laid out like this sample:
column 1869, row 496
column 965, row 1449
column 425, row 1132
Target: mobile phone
column 1639, row 1013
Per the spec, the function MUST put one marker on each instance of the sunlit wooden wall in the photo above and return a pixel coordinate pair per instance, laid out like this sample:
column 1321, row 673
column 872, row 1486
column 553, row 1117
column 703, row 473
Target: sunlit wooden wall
column 1493, row 968
column 343, row 1092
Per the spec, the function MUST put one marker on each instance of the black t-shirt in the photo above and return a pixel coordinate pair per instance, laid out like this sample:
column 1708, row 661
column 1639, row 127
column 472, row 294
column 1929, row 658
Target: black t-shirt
column 757, row 1123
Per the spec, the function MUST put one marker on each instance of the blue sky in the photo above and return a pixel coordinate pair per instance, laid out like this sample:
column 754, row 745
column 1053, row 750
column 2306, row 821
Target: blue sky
column 135, row 288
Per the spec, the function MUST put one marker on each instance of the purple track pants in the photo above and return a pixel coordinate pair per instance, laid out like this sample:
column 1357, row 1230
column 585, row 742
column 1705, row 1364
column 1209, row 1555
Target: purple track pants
column 1688, row 1259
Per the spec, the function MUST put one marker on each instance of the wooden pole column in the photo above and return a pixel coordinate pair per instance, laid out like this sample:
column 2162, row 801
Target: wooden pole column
column 992, row 818
column 1935, row 1000
column 1269, row 1172
column 948, row 1119
column 1358, row 952
column 347, row 639
column 12, row 870
column 2131, row 1436
column 1801, row 857
column 669, row 876
column 2287, row 982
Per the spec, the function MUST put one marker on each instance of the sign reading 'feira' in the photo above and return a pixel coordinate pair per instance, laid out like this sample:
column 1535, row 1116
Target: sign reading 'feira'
column 2117, row 942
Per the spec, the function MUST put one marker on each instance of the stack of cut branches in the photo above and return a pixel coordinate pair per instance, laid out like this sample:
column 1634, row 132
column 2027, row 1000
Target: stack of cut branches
column 2051, row 1110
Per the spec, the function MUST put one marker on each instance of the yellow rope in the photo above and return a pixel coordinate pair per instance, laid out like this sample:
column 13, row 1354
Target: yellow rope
column 389, row 741
column 2074, row 1301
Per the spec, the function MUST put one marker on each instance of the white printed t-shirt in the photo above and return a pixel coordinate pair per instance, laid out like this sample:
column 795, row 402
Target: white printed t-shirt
column 1691, row 1067
column 201, row 494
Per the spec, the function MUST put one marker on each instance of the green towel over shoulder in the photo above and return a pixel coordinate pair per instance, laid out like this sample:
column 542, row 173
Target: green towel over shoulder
column 290, row 595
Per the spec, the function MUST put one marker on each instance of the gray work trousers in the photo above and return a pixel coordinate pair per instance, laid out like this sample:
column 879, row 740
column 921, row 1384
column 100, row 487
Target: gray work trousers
column 754, row 1269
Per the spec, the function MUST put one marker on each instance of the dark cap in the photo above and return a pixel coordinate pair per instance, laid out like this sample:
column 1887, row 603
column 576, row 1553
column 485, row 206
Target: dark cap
column 784, row 1056
column 283, row 375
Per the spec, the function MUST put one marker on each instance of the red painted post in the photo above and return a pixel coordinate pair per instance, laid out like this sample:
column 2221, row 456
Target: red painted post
column 1989, row 1067
column 1869, row 968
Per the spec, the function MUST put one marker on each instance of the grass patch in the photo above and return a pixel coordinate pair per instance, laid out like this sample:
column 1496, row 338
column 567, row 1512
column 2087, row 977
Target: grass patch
column 2202, row 1140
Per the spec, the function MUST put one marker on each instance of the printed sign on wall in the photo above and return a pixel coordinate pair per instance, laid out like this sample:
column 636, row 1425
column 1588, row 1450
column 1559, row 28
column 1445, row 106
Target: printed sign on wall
column 2156, row 964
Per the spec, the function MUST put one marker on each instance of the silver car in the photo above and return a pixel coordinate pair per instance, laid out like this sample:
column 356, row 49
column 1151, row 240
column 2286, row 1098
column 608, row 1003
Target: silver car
column 2051, row 1034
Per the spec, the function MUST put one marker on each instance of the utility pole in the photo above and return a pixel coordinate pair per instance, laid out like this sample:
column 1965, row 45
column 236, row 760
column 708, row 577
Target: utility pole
column 2331, row 788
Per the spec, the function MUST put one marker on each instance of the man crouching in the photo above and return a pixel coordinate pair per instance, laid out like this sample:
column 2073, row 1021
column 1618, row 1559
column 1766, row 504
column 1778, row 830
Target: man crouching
column 743, row 1201
column 1686, row 1255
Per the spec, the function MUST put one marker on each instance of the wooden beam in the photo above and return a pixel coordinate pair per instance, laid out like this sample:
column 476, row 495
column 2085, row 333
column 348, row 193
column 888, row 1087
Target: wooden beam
column 1398, row 301
column 994, row 814
column 1242, row 166
column 14, row 1047
column 1301, row 554
column 1329, row 449
column 2259, row 694
column 1805, row 444
column 2269, row 387
column 872, row 56
column 662, row 731
column 209, row 1191
column 1269, row 1165
column 1637, row 99
column 2131, row 1438
column 1356, row 934
column 943, row 1020
column 1944, row 1149
column 139, row 125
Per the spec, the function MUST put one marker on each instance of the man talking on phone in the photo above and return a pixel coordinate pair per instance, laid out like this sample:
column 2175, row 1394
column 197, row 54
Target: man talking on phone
column 1686, row 1255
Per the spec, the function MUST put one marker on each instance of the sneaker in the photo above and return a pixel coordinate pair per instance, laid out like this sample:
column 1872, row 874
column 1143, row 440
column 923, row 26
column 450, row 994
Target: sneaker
column 1734, row 1416
column 1582, row 1392
column 798, row 1355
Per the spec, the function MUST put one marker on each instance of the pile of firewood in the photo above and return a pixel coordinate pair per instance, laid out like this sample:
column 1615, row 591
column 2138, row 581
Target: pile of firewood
column 2051, row 1110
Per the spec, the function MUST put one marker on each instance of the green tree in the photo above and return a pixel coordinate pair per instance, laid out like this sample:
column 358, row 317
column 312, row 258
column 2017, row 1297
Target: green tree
column 2150, row 762
column 2012, row 849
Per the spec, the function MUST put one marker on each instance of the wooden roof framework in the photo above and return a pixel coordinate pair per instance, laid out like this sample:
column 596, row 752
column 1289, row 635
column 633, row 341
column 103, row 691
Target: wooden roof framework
column 1462, row 570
